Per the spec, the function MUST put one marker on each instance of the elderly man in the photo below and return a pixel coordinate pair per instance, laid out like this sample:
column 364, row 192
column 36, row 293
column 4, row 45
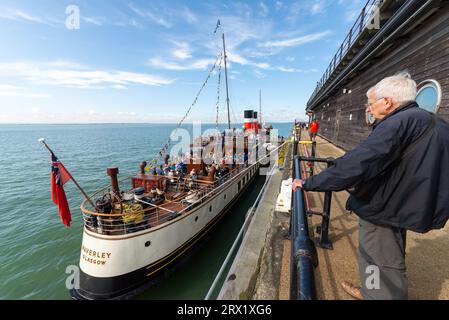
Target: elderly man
column 398, row 179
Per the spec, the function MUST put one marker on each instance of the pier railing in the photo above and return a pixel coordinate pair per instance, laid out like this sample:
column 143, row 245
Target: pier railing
column 303, row 252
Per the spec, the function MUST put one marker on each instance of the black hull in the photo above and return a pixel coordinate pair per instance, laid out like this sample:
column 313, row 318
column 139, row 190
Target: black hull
column 129, row 285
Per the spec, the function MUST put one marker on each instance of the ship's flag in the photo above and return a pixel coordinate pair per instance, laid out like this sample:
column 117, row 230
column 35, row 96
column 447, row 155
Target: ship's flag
column 59, row 176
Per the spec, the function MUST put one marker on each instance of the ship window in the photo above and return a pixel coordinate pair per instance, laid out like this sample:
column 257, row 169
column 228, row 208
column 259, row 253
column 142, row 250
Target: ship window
column 210, row 208
column 429, row 95
column 224, row 196
column 239, row 185
column 196, row 219
column 147, row 244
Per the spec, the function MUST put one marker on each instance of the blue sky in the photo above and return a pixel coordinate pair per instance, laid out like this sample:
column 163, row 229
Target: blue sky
column 144, row 61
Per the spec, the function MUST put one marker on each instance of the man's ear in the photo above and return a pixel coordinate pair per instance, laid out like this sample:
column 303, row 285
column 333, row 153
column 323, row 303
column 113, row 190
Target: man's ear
column 388, row 103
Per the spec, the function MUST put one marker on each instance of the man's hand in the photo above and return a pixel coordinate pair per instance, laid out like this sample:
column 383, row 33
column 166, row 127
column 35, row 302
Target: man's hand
column 297, row 183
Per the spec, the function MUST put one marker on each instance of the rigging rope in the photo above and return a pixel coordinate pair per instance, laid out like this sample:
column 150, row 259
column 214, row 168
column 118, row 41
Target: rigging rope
column 164, row 149
column 218, row 91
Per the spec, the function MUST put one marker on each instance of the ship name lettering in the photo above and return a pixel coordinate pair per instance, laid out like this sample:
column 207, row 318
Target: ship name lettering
column 93, row 261
column 96, row 254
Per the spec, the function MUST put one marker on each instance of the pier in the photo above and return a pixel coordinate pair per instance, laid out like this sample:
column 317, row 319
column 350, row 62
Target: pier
column 261, row 270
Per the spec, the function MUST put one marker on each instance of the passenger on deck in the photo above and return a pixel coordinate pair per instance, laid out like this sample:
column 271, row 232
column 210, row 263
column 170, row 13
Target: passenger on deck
column 160, row 170
column 224, row 170
column 398, row 179
column 193, row 174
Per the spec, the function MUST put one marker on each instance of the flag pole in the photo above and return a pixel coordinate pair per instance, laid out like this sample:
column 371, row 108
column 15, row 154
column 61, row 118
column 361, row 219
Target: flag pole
column 42, row 140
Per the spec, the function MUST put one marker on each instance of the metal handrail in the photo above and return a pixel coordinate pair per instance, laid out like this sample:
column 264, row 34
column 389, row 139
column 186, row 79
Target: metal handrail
column 303, row 252
column 303, row 258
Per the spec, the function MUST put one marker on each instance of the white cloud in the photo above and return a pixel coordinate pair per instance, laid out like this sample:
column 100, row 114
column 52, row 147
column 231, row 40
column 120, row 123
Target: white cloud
column 15, row 91
column 284, row 69
column 199, row 64
column 241, row 30
column 189, row 16
column 17, row 15
column 260, row 74
column 317, row 6
column 65, row 74
column 124, row 113
column 290, row 59
column 294, row 42
column 236, row 58
column 146, row 13
column 119, row 87
column 182, row 51
column 126, row 23
column 92, row 20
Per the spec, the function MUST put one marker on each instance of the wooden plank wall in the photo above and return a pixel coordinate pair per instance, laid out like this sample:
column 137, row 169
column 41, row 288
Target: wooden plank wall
column 423, row 52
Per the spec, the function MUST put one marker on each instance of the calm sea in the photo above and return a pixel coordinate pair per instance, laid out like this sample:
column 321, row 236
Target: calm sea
column 36, row 248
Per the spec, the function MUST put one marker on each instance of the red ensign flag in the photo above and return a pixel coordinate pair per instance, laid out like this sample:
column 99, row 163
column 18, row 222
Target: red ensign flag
column 59, row 176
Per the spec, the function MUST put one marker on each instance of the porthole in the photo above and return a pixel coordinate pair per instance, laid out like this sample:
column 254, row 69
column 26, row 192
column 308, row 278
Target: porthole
column 224, row 197
column 147, row 244
column 210, row 208
column 196, row 219
column 429, row 95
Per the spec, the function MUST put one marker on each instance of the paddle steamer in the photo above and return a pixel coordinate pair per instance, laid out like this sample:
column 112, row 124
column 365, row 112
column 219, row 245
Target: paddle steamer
column 139, row 227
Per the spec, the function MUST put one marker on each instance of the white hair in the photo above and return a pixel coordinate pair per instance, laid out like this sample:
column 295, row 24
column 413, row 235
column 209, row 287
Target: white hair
column 401, row 88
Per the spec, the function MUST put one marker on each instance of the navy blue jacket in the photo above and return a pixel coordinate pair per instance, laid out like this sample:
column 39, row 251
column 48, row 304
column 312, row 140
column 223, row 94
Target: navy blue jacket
column 402, row 187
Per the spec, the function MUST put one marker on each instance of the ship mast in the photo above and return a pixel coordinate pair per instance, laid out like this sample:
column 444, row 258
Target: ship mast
column 260, row 106
column 226, row 78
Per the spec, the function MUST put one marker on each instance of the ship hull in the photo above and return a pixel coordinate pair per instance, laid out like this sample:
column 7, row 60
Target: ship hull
column 119, row 267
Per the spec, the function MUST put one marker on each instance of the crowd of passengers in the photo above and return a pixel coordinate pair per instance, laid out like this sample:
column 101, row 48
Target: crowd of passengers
column 179, row 170
column 217, row 171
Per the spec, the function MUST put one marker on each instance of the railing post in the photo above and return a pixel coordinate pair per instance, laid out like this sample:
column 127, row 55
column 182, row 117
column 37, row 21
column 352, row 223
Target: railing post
column 362, row 19
column 311, row 164
column 349, row 39
column 324, row 241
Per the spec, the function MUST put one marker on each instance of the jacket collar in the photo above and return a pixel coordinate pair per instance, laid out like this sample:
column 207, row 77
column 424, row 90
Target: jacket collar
column 401, row 108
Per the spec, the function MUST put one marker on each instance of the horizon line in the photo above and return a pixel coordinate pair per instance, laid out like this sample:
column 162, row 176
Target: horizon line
column 99, row 123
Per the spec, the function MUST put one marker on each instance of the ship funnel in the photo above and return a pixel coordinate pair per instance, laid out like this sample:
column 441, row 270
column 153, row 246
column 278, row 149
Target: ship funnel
column 113, row 172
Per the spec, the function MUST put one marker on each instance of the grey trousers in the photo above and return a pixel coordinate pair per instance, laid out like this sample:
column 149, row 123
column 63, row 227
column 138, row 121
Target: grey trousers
column 382, row 262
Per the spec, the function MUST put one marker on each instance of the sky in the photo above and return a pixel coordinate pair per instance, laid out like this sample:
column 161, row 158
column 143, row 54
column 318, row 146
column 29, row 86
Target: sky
column 135, row 61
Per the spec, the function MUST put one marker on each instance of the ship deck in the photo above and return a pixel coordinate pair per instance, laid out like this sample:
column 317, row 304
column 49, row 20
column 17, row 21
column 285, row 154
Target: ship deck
column 426, row 254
